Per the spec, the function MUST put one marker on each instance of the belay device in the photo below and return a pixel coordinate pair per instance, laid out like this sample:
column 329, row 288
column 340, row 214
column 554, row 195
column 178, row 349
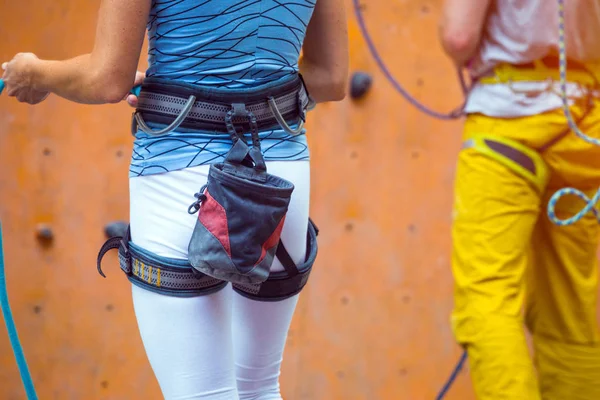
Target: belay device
column 241, row 209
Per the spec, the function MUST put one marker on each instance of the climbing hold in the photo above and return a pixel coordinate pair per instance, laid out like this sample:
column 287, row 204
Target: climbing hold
column 360, row 84
column 44, row 233
column 116, row 228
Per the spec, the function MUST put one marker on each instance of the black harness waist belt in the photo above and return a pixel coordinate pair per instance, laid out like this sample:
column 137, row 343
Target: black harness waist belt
column 193, row 107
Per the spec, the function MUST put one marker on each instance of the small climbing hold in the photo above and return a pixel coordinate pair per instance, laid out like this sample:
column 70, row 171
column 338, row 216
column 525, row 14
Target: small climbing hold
column 44, row 233
column 116, row 228
column 360, row 84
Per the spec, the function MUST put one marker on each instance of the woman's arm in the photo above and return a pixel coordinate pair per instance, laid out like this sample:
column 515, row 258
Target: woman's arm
column 461, row 28
column 324, row 63
column 107, row 73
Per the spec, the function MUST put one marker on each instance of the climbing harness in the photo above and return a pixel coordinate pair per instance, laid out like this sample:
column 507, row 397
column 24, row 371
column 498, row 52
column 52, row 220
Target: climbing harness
column 177, row 278
column 173, row 276
column 241, row 209
column 177, row 104
column 457, row 113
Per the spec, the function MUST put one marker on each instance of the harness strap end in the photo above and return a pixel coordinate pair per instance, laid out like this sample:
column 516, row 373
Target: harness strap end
column 110, row 244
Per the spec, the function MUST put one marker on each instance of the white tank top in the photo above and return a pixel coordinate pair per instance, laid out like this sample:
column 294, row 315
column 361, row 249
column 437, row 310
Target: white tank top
column 521, row 31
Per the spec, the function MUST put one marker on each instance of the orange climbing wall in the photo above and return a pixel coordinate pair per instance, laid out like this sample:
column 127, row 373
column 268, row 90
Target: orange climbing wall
column 373, row 321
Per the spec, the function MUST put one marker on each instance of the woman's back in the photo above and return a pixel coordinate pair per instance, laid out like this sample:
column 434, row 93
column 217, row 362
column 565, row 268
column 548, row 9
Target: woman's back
column 226, row 43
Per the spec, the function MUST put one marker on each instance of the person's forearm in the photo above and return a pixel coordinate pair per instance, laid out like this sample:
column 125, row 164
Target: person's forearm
column 79, row 80
column 321, row 83
column 461, row 51
column 461, row 28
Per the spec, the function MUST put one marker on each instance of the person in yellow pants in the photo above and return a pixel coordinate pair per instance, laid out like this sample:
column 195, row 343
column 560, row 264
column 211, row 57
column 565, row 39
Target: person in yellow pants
column 512, row 266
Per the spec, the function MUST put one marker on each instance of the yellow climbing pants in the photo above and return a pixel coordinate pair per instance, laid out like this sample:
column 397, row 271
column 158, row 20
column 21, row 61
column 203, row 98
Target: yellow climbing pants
column 512, row 265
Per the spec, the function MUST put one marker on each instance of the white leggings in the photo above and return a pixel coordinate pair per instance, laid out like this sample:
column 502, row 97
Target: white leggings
column 221, row 346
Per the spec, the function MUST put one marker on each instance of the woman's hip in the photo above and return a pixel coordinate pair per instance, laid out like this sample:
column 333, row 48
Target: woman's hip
column 159, row 204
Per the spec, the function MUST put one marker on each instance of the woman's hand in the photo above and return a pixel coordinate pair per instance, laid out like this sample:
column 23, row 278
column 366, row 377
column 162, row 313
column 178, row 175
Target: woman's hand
column 461, row 28
column 17, row 77
column 106, row 73
column 132, row 98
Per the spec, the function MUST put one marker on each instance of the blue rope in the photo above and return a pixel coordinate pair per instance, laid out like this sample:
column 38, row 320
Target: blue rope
column 386, row 72
column 590, row 203
column 7, row 313
column 12, row 330
column 10, row 323
column 453, row 375
column 590, row 206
